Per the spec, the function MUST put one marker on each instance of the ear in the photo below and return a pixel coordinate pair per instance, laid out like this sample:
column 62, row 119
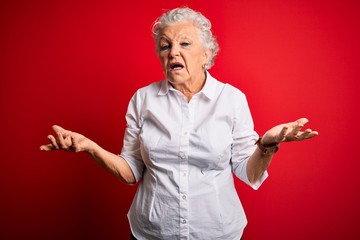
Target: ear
column 208, row 55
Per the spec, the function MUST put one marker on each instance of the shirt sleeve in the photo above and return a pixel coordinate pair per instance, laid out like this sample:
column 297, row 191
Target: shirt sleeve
column 131, row 146
column 244, row 138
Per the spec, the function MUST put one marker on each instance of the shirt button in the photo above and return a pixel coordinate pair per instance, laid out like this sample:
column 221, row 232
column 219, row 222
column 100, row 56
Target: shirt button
column 183, row 221
column 182, row 156
column 184, row 197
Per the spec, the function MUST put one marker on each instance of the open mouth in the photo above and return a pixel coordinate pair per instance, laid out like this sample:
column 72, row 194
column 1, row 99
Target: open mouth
column 176, row 66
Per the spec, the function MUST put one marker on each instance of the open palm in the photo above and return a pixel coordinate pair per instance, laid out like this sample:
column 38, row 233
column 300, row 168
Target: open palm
column 67, row 140
column 288, row 132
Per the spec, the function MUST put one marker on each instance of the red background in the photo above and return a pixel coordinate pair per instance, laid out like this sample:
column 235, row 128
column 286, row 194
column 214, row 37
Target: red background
column 78, row 63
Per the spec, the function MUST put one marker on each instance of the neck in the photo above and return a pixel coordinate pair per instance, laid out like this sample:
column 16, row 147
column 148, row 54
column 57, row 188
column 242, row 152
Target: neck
column 192, row 86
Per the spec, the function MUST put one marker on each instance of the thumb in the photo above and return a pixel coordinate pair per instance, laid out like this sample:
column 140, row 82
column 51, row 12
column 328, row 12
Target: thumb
column 59, row 129
column 282, row 134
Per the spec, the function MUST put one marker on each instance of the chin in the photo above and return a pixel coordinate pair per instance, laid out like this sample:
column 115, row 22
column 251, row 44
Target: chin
column 175, row 79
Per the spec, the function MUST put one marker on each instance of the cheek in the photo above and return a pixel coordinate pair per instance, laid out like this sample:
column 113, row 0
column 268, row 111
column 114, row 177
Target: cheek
column 198, row 56
column 163, row 61
column 196, row 61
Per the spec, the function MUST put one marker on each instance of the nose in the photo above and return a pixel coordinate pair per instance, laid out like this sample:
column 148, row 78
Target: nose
column 174, row 51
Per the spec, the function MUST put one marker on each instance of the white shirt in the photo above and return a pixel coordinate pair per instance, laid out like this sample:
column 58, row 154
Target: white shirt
column 185, row 153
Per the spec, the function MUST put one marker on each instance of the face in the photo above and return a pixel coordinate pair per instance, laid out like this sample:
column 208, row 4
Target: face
column 181, row 54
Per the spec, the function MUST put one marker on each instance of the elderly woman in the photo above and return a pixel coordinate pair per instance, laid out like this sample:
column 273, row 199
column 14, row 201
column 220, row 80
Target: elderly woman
column 185, row 137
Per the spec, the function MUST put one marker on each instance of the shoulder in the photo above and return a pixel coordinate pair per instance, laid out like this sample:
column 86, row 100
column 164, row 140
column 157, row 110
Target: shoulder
column 152, row 88
column 149, row 91
column 224, row 89
column 233, row 90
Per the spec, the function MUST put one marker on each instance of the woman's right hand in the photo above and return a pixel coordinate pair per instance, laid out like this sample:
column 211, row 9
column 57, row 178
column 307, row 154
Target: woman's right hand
column 74, row 142
column 67, row 140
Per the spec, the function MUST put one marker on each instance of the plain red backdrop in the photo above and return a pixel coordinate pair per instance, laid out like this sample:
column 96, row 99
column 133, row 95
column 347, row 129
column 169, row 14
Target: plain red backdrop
column 77, row 63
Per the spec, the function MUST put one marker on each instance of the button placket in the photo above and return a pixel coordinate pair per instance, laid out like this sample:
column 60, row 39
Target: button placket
column 183, row 174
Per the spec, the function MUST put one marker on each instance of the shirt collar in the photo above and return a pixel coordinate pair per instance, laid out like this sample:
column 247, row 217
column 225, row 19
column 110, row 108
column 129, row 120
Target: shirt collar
column 208, row 90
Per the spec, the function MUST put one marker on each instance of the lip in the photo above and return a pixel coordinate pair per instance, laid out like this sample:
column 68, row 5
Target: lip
column 171, row 66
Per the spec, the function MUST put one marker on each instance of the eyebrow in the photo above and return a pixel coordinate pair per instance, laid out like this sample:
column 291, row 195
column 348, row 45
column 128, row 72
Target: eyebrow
column 181, row 37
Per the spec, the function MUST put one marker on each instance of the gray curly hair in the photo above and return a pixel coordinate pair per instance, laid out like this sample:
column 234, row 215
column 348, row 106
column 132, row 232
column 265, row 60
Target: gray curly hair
column 177, row 15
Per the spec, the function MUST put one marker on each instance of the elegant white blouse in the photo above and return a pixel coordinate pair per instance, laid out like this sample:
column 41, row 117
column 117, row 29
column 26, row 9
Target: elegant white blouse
column 185, row 154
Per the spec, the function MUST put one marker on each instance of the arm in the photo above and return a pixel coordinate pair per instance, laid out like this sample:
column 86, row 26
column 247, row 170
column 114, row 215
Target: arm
column 74, row 142
column 260, row 160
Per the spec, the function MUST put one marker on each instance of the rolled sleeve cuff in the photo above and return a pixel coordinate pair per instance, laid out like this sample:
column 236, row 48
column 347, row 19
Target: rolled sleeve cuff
column 134, row 165
column 259, row 182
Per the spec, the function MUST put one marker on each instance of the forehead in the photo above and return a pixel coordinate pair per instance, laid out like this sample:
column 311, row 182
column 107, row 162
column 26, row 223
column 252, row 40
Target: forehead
column 175, row 31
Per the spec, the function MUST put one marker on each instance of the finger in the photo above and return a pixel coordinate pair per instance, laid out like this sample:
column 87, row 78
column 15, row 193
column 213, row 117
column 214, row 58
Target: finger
column 298, row 124
column 52, row 141
column 308, row 133
column 283, row 134
column 294, row 133
column 61, row 130
column 303, row 135
column 47, row 147
column 302, row 121
column 68, row 141
column 311, row 134
column 61, row 141
column 70, row 144
column 75, row 145
column 57, row 128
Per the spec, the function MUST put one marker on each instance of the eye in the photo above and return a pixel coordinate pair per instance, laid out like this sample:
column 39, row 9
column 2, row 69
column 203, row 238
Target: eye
column 164, row 47
column 185, row 44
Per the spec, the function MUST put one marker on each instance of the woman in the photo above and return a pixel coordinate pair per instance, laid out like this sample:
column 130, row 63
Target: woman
column 185, row 137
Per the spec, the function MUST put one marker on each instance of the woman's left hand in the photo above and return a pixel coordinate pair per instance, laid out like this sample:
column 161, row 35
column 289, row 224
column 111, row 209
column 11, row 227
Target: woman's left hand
column 288, row 132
